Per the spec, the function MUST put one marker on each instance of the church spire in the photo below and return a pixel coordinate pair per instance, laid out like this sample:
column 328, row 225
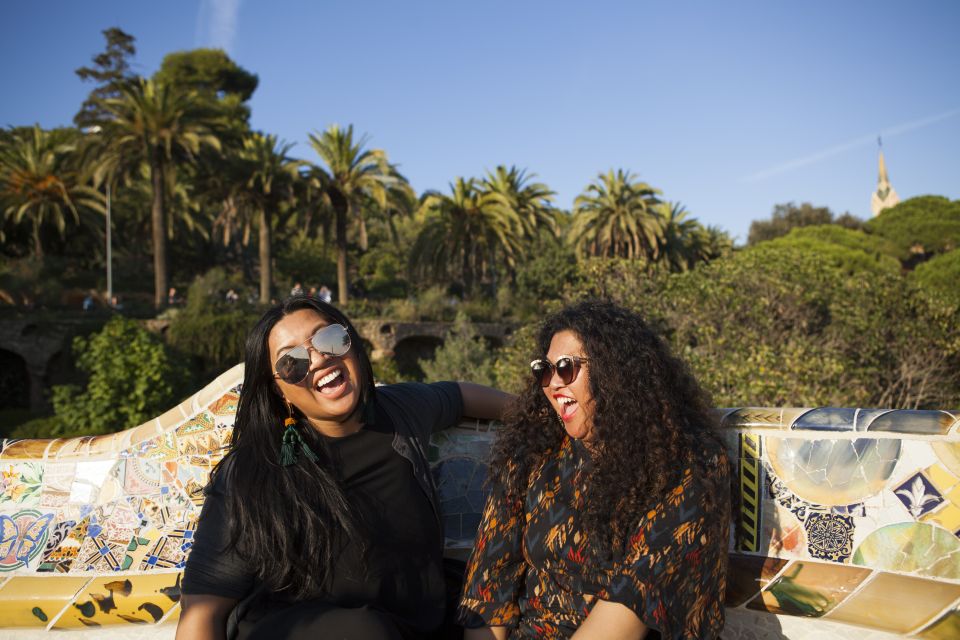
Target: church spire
column 884, row 197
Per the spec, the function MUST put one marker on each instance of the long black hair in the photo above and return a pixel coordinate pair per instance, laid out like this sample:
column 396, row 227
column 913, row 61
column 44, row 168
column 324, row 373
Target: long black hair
column 285, row 521
column 651, row 421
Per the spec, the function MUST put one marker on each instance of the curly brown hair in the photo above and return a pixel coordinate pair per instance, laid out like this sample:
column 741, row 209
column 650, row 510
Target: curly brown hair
column 651, row 421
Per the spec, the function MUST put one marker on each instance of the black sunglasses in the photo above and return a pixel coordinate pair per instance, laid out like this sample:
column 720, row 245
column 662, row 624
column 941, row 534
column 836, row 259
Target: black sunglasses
column 567, row 367
column 332, row 340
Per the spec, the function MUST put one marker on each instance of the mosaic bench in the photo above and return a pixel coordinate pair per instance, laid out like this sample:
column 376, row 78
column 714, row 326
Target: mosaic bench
column 848, row 517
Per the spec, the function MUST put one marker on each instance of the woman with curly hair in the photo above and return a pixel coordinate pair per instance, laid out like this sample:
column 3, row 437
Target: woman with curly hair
column 610, row 505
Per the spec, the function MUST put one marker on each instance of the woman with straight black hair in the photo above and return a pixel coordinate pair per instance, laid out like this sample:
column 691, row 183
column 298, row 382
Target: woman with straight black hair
column 323, row 521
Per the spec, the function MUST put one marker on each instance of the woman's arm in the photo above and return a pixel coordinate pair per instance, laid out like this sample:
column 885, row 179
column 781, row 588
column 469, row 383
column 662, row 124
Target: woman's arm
column 611, row 620
column 485, row 403
column 204, row 617
column 485, row 633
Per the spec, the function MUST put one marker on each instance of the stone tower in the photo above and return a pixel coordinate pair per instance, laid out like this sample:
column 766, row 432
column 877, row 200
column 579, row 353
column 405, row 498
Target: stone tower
column 884, row 197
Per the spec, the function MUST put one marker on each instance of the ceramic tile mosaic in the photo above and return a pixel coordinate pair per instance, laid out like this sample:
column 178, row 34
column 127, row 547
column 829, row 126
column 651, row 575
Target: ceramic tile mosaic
column 847, row 516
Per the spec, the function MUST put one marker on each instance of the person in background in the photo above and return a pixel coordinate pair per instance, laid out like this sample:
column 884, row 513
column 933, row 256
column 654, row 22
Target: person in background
column 323, row 521
column 172, row 298
column 610, row 508
column 297, row 289
column 325, row 294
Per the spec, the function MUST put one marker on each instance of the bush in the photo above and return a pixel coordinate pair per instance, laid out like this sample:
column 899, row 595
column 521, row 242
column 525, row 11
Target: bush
column 851, row 251
column 40, row 428
column 782, row 325
column 940, row 279
column 132, row 377
column 463, row 356
column 215, row 338
column 922, row 225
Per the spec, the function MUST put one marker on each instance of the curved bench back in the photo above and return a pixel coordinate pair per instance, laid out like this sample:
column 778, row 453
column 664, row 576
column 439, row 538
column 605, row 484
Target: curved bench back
column 848, row 515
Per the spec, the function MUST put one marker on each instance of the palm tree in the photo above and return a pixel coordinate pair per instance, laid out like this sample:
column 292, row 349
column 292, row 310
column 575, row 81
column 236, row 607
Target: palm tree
column 39, row 182
column 265, row 177
column 160, row 126
column 618, row 216
column 464, row 231
column 532, row 201
column 352, row 175
column 681, row 244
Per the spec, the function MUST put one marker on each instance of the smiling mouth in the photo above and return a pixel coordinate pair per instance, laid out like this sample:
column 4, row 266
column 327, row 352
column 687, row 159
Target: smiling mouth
column 331, row 382
column 568, row 407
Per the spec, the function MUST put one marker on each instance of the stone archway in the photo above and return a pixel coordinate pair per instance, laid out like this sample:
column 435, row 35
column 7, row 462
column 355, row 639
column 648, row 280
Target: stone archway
column 408, row 352
column 14, row 381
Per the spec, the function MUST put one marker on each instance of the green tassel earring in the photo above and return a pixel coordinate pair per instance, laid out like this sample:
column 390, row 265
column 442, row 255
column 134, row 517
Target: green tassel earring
column 291, row 441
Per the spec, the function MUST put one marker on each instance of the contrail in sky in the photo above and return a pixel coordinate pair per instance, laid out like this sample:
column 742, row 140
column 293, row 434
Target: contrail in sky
column 846, row 146
column 217, row 23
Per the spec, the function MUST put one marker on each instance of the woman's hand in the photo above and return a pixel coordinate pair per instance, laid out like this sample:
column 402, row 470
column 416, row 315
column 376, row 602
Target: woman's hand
column 611, row 620
column 204, row 617
column 485, row 633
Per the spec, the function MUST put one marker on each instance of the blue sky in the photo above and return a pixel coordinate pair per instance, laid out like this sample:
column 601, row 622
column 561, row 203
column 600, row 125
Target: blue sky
column 728, row 108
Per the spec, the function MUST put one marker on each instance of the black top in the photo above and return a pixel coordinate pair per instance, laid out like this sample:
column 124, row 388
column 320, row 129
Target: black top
column 401, row 571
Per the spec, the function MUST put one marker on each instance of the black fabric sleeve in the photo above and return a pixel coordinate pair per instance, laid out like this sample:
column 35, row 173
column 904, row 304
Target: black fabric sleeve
column 426, row 408
column 211, row 569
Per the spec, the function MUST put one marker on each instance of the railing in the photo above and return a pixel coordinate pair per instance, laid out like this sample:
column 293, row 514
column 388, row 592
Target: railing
column 848, row 516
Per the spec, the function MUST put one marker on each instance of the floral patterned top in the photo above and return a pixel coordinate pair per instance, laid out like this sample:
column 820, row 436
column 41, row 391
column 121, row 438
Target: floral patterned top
column 537, row 573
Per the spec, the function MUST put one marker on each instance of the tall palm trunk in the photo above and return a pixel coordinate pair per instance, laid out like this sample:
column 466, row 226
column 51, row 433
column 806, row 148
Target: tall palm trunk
column 266, row 277
column 342, row 209
column 37, row 244
column 159, row 231
column 362, row 234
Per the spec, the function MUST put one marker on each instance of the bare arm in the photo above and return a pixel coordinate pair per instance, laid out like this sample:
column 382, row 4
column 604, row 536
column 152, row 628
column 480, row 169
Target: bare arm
column 611, row 620
column 483, row 402
column 204, row 617
column 485, row 633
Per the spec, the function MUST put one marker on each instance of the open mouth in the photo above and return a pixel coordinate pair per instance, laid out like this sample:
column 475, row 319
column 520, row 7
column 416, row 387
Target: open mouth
column 331, row 382
column 568, row 407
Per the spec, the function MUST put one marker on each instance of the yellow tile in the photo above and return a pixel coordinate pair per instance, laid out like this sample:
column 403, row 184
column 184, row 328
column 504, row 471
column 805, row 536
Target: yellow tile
column 947, row 517
column 942, row 479
column 896, row 603
column 946, row 628
column 103, row 446
column 123, row 600
column 954, row 495
column 72, row 448
column 809, row 589
column 25, row 449
column 31, row 601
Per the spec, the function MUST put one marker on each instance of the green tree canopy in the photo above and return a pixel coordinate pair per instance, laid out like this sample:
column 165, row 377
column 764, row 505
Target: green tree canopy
column 789, row 216
column 618, row 216
column 939, row 277
column 109, row 70
column 920, row 226
column 851, row 251
column 465, row 233
column 40, row 184
column 207, row 71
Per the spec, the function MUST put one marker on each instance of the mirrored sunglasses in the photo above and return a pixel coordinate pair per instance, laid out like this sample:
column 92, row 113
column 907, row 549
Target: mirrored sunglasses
column 332, row 340
column 567, row 367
